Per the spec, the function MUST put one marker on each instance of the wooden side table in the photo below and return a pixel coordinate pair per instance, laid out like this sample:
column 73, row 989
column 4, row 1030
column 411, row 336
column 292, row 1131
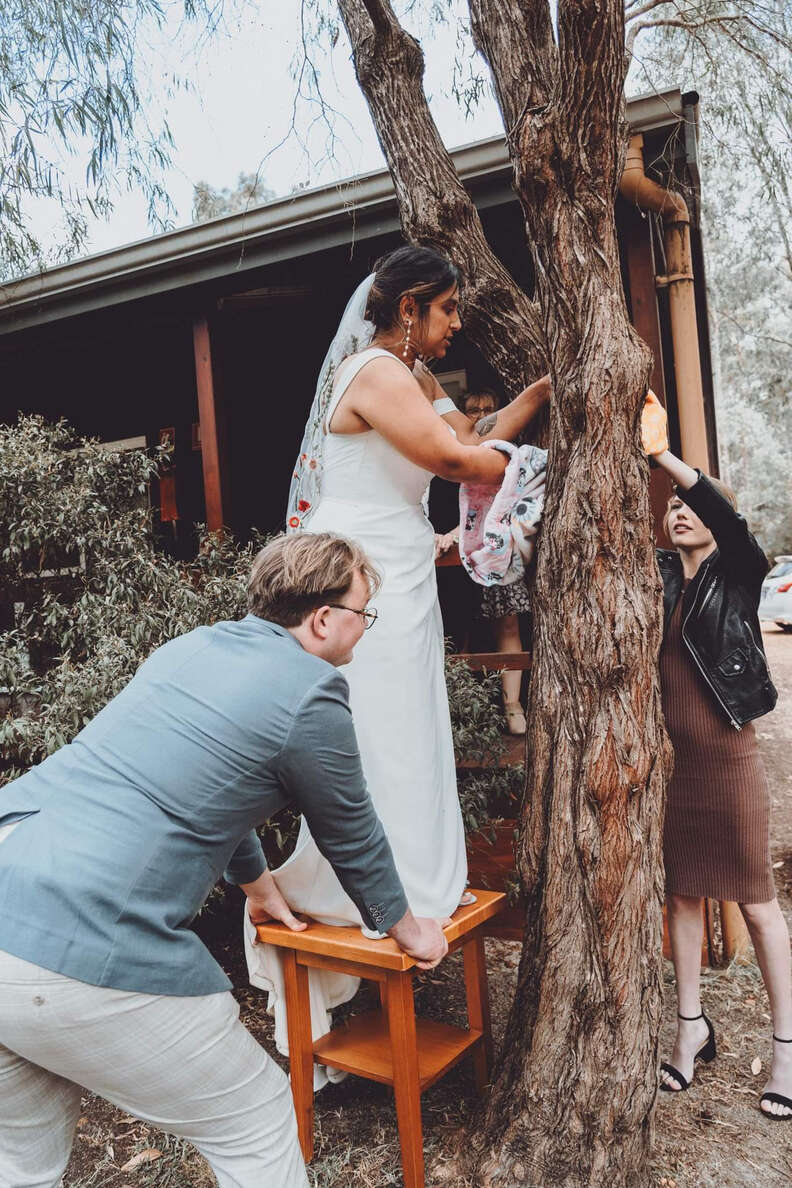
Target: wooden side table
column 388, row 1045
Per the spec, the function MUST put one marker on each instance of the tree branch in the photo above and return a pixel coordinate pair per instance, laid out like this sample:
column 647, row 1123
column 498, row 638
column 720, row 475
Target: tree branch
column 378, row 14
column 692, row 20
column 593, row 65
column 516, row 40
column 748, row 330
column 434, row 206
column 631, row 12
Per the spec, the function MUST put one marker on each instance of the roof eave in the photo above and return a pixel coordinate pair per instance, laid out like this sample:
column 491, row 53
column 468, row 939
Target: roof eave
column 309, row 221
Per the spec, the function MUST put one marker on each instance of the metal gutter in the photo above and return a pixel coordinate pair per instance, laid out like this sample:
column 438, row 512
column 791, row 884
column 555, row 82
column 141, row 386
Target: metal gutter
column 353, row 209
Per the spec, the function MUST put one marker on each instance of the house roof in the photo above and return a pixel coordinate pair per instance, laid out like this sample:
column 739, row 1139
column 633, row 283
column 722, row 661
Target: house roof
column 310, row 221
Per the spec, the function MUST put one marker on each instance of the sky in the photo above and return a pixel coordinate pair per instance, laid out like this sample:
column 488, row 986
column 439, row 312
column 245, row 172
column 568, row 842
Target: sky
column 238, row 107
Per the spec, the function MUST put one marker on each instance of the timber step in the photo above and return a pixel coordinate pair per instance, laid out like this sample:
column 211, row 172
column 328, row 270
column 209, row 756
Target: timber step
column 513, row 753
column 494, row 661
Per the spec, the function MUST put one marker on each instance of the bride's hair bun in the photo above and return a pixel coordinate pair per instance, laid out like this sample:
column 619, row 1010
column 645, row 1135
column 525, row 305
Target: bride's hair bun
column 419, row 272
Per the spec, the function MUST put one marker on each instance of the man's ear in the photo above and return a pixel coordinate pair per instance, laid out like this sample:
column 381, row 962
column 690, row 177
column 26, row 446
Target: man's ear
column 319, row 621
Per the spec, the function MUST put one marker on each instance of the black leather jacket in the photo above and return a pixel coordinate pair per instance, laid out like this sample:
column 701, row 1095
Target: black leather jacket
column 720, row 627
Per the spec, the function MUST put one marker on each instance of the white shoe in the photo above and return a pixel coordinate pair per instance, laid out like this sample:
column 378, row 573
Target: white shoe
column 324, row 1075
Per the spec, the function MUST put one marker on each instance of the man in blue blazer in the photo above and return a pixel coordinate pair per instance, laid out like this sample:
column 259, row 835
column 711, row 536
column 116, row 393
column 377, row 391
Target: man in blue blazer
column 110, row 846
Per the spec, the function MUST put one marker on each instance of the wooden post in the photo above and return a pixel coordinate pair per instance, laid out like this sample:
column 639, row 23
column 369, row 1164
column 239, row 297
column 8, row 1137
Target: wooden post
column 736, row 941
column 212, row 421
column 646, row 320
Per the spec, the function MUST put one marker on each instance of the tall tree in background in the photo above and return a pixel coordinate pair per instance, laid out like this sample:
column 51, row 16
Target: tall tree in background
column 249, row 191
column 743, row 70
column 574, row 1091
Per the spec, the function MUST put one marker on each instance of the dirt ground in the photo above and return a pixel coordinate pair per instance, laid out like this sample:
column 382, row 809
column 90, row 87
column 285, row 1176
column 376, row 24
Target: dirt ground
column 711, row 1137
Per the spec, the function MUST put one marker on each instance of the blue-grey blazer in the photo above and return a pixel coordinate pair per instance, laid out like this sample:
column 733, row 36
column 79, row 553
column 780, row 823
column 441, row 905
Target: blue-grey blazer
column 124, row 831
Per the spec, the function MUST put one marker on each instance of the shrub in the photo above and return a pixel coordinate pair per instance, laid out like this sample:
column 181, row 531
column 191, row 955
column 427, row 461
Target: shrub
column 87, row 595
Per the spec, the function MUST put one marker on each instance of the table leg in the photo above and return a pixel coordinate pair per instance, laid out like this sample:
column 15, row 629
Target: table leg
column 477, row 993
column 298, row 1021
column 406, row 1079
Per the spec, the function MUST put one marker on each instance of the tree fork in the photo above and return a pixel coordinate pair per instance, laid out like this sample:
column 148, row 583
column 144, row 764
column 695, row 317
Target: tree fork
column 434, row 206
column 576, row 1082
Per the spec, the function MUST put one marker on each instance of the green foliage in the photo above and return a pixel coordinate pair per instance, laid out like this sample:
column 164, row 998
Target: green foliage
column 93, row 594
column 487, row 792
column 476, row 720
column 69, row 87
column 490, row 795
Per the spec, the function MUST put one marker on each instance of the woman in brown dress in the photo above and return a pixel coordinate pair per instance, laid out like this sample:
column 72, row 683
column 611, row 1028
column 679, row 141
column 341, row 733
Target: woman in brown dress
column 715, row 681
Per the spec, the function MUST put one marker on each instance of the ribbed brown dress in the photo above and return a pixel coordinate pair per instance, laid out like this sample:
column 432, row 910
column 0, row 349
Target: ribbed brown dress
column 716, row 840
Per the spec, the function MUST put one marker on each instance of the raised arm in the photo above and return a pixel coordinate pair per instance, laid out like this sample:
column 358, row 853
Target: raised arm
column 504, row 425
column 507, row 423
column 386, row 397
column 737, row 546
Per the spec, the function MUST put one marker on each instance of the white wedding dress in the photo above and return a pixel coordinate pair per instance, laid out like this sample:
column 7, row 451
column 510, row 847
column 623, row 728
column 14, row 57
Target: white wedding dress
column 373, row 494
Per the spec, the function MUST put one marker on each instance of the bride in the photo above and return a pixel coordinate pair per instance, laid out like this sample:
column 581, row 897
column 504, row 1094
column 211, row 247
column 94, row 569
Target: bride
column 380, row 428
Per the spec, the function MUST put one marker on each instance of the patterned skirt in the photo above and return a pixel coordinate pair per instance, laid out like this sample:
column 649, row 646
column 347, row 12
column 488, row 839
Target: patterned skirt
column 499, row 601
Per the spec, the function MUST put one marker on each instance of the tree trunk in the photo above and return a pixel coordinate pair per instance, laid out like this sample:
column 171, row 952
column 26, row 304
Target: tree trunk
column 434, row 206
column 574, row 1091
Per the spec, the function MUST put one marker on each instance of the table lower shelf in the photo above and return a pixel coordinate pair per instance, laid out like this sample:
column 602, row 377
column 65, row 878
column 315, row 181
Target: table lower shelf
column 362, row 1046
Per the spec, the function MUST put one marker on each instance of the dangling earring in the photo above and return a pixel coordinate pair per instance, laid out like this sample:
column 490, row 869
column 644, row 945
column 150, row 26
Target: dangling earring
column 406, row 350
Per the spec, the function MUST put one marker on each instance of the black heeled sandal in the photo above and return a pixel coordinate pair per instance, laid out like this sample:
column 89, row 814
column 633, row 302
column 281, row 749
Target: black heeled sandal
column 777, row 1098
column 707, row 1053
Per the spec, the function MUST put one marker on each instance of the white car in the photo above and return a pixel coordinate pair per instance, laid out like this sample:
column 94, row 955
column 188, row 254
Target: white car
column 775, row 605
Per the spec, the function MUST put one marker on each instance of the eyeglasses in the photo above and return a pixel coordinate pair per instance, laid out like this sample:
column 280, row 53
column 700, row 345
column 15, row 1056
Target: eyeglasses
column 370, row 616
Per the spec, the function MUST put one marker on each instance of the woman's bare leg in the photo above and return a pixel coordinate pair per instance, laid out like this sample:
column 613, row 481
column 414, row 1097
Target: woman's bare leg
column 507, row 639
column 770, row 937
column 685, row 921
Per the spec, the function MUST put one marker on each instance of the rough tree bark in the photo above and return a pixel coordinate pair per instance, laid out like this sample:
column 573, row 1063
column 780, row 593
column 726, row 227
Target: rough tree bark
column 519, row 47
column 434, row 206
column 574, row 1091
column 576, row 1081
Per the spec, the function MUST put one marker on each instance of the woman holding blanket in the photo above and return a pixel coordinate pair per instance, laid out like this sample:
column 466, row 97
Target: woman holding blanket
column 375, row 437
column 715, row 682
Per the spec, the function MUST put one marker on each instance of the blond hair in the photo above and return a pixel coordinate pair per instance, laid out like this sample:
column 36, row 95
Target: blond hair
column 722, row 488
column 295, row 575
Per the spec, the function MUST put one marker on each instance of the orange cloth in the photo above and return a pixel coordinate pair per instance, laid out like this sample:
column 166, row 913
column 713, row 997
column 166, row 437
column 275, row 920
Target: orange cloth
column 654, row 425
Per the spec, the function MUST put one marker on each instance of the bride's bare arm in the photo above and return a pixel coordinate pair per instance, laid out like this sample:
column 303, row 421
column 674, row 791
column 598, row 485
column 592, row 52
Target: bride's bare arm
column 387, row 398
column 505, row 424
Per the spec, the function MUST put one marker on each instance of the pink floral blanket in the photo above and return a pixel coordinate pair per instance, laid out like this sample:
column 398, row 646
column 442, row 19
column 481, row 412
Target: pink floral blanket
column 498, row 527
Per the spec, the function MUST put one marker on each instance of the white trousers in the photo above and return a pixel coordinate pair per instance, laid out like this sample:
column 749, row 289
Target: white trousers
column 186, row 1065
